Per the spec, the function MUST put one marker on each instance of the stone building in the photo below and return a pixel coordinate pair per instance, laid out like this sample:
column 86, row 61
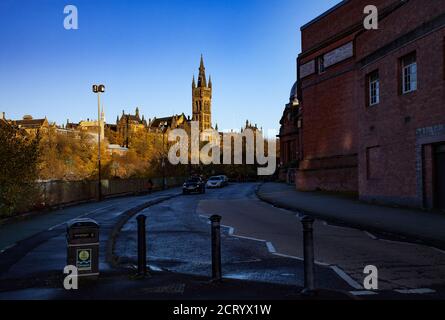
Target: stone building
column 202, row 99
column 89, row 126
column 372, row 103
column 168, row 123
column 289, row 137
column 30, row 125
column 127, row 125
column 201, row 107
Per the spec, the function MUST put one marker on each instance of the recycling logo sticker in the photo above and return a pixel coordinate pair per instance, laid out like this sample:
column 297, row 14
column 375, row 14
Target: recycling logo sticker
column 84, row 259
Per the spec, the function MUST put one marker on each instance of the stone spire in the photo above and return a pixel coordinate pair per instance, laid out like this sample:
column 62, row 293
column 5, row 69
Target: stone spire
column 202, row 81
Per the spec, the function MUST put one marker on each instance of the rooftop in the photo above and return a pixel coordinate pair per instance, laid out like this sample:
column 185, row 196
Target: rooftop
column 323, row 15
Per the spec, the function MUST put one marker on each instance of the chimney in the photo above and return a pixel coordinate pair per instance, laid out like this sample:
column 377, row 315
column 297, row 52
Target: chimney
column 3, row 116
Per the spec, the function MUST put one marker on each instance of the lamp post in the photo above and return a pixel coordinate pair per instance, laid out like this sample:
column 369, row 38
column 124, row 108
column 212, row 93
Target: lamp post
column 163, row 127
column 99, row 89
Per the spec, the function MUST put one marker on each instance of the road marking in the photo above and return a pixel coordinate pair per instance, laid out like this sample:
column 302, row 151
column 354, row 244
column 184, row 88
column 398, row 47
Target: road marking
column 231, row 229
column 247, row 261
column 326, row 224
column 416, row 291
column 8, row 247
column 346, row 277
column 288, row 256
column 270, row 247
column 363, row 293
column 273, row 251
column 373, row 237
column 300, row 259
column 439, row 250
column 80, row 217
column 249, row 238
column 401, row 242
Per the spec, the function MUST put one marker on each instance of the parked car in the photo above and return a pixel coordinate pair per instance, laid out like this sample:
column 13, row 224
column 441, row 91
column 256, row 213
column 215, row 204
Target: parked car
column 215, row 182
column 226, row 180
column 194, row 184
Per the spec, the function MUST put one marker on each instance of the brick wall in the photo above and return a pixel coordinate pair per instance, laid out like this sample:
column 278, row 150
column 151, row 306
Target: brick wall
column 392, row 124
column 390, row 143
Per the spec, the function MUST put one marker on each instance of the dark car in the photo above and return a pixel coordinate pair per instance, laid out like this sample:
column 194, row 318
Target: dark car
column 194, row 184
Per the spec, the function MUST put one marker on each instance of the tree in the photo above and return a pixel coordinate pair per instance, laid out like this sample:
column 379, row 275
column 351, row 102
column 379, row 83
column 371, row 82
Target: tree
column 18, row 169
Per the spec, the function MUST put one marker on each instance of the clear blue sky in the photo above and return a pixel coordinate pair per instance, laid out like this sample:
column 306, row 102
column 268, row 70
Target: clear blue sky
column 146, row 53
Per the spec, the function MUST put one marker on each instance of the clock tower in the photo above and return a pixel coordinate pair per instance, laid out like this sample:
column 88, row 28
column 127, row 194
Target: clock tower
column 202, row 99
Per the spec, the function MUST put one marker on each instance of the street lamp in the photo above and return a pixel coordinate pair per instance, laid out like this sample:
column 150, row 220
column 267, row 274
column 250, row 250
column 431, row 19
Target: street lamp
column 99, row 89
column 163, row 125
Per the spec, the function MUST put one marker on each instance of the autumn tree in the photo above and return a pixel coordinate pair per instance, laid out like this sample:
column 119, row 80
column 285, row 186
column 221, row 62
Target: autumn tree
column 18, row 169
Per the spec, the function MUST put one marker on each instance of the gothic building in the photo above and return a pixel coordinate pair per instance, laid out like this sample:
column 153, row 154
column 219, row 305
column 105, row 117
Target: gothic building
column 128, row 124
column 291, row 124
column 202, row 99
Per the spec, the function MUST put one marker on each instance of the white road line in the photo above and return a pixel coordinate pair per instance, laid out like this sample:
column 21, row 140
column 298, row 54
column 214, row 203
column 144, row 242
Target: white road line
column 231, row 229
column 400, row 242
column 247, row 261
column 272, row 250
column 300, row 259
column 373, row 237
column 324, row 264
column 270, row 247
column 80, row 217
column 8, row 247
column 288, row 256
column 347, row 278
column 326, row 224
column 439, row 250
column 249, row 238
column 416, row 291
column 363, row 293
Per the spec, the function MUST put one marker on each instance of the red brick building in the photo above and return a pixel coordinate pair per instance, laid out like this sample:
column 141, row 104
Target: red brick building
column 373, row 103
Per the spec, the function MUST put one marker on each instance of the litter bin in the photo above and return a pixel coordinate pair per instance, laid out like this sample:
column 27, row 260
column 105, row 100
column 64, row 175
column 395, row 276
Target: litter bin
column 83, row 246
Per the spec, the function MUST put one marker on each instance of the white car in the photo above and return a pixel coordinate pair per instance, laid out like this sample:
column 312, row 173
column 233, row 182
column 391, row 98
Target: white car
column 225, row 180
column 215, row 182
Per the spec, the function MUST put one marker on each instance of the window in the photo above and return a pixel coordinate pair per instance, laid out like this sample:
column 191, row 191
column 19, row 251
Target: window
column 321, row 67
column 374, row 88
column 409, row 73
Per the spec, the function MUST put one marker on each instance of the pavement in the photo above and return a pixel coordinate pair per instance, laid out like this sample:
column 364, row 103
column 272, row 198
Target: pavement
column 162, row 286
column 39, row 244
column 407, row 224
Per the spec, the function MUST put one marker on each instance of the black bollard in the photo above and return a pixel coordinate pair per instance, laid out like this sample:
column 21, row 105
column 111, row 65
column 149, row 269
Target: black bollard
column 216, row 248
column 142, row 246
column 308, row 248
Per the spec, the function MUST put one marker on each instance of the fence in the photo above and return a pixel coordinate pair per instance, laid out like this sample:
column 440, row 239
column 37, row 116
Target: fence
column 60, row 193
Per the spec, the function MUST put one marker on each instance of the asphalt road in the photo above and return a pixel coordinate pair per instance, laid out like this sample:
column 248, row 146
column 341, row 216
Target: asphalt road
column 259, row 243
column 264, row 243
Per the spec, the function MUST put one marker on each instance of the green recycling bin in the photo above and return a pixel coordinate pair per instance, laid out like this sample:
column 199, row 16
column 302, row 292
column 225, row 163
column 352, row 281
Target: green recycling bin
column 83, row 247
